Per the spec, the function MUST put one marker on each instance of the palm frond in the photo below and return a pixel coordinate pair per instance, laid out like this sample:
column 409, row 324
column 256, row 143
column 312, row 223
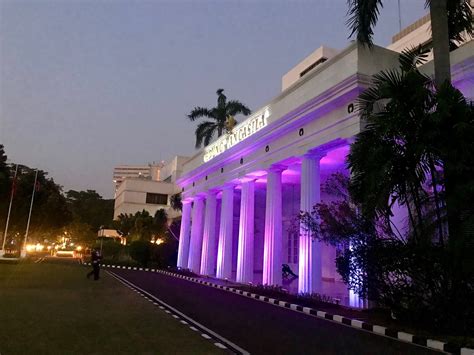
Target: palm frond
column 362, row 18
column 235, row 107
column 199, row 112
column 411, row 58
column 460, row 19
column 221, row 98
column 204, row 132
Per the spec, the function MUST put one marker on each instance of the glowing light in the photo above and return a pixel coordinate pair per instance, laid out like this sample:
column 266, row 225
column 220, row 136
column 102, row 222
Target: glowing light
column 78, row 248
column 30, row 248
column 238, row 134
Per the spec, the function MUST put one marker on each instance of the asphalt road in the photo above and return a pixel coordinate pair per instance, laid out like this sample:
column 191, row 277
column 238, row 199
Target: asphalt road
column 261, row 328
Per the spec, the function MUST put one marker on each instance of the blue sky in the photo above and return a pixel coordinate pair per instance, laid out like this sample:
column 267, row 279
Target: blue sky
column 87, row 85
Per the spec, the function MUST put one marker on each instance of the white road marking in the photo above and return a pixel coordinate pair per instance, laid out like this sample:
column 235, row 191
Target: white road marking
column 182, row 315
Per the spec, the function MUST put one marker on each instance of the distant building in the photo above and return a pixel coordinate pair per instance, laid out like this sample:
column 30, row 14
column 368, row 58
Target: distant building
column 150, row 192
column 111, row 233
column 149, row 171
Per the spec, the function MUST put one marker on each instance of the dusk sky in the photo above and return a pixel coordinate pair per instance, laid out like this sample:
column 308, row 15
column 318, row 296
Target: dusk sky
column 87, row 85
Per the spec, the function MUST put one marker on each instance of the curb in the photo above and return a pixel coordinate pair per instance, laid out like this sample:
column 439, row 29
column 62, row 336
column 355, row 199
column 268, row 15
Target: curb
column 354, row 323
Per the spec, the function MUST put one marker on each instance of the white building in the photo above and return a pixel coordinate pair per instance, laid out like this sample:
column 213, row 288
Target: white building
column 136, row 194
column 148, row 171
column 241, row 193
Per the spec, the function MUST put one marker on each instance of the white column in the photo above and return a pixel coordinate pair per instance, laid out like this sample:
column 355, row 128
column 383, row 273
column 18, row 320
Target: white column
column 310, row 276
column 183, row 248
column 272, row 247
column 208, row 259
column 224, row 250
column 246, row 233
column 195, row 247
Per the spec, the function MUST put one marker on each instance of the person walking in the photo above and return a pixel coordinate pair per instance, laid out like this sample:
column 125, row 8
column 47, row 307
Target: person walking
column 95, row 260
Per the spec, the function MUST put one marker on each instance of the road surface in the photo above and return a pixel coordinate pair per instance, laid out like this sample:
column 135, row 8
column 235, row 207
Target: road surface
column 262, row 328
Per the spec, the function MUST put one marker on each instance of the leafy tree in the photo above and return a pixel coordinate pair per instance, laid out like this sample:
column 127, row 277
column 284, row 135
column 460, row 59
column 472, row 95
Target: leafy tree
column 219, row 115
column 176, row 202
column 451, row 21
column 412, row 130
column 140, row 251
column 124, row 224
column 50, row 212
column 81, row 233
column 4, row 175
column 142, row 226
column 90, row 208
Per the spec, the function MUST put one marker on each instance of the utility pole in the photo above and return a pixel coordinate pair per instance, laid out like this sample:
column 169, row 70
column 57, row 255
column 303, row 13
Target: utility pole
column 2, row 252
column 23, row 250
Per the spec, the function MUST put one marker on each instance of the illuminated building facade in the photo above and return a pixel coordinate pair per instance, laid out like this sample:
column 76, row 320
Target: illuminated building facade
column 243, row 193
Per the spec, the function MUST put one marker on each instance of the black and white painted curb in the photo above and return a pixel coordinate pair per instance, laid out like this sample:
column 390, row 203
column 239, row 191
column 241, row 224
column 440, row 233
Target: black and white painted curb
column 218, row 340
column 354, row 323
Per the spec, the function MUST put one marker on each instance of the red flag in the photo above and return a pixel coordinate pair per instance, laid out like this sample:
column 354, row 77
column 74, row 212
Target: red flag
column 37, row 186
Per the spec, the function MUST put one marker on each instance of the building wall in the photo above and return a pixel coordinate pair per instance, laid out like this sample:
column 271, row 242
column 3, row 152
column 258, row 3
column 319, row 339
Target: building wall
column 304, row 66
column 318, row 102
column 131, row 196
column 122, row 172
column 316, row 113
column 172, row 170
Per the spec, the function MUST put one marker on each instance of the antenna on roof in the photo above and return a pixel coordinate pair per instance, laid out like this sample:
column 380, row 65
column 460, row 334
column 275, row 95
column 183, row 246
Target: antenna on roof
column 399, row 17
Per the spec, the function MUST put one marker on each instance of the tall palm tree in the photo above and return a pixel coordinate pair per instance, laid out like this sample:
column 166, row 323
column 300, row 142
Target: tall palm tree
column 219, row 115
column 451, row 20
column 393, row 155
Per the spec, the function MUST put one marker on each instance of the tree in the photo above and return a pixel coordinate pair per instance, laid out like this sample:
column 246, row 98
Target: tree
column 176, row 202
column 143, row 231
column 412, row 129
column 90, row 208
column 50, row 212
column 124, row 224
column 142, row 226
column 219, row 115
column 451, row 20
column 4, row 174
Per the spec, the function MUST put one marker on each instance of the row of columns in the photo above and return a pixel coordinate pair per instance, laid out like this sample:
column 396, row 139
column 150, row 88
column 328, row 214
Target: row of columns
column 197, row 239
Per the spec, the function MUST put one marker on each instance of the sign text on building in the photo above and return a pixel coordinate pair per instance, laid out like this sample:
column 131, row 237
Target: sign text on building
column 238, row 134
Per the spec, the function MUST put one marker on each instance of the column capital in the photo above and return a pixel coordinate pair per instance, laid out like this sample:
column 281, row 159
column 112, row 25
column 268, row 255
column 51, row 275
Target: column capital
column 211, row 192
column 277, row 168
column 199, row 197
column 228, row 186
column 245, row 179
column 315, row 154
column 187, row 200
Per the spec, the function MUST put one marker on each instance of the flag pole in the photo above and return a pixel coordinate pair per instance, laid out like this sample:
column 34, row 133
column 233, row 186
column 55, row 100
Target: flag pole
column 9, row 211
column 23, row 252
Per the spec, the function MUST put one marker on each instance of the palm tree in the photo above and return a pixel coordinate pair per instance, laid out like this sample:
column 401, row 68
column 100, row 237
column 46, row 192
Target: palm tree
column 451, row 20
column 219, row 115
column 394, row 153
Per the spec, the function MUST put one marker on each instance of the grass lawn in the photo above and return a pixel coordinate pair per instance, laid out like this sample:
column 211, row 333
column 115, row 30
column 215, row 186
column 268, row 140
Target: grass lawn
column 53, row 309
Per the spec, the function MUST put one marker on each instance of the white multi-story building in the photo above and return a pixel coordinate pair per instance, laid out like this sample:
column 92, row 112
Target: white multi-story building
column 148, row 171
column 242, row 192
column 152, row 192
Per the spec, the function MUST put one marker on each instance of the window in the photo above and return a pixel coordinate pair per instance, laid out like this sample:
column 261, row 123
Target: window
column 312, row 66
column 293, row 247
column 156, row 199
